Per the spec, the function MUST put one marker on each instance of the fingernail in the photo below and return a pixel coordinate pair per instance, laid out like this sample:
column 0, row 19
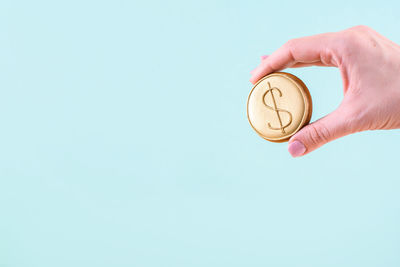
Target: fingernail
column 296, row 148
column 264, row 57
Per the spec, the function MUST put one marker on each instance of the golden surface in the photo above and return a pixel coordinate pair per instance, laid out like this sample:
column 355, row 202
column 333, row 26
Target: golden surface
column 279, row 105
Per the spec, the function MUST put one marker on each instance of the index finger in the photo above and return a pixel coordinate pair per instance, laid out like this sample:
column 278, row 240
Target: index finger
column 310, row 50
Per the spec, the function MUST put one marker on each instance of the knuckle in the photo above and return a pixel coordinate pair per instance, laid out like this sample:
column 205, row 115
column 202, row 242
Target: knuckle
column 350, row 41
column 358, row 34
column 291, row 44
column 361, row 28
column 354, row 38
column 318, row 133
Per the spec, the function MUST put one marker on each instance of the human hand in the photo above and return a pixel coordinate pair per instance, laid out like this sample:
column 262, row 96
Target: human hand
column 369, row 65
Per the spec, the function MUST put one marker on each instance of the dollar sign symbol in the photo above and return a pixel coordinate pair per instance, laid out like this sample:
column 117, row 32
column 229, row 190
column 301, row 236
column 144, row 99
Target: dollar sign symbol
column 276, row 109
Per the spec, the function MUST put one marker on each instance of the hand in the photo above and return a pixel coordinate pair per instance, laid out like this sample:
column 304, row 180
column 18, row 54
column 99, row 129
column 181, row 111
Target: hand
column 369, row 65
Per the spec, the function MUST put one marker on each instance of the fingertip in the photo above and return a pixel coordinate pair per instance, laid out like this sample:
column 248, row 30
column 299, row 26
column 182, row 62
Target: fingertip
column 296, row 148
column 255, row 76
column 264, row 57
column 254, row 79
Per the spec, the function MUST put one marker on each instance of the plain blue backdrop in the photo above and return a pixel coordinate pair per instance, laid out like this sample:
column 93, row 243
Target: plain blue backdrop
column 124, row 140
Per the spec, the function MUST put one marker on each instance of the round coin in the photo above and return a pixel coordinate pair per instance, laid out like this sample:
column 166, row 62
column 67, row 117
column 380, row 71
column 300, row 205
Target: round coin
column 278, row 106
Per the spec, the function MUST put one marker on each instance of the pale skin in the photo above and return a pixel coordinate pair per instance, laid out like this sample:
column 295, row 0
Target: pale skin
column 369, row 65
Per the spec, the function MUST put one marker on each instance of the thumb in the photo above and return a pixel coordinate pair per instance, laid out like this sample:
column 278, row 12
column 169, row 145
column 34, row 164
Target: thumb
column 318, row 133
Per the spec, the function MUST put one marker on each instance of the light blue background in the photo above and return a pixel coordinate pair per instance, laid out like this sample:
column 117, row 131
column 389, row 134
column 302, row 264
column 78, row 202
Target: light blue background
column 124, row 140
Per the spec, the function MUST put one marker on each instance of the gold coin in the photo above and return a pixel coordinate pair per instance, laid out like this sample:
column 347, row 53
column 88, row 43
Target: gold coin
column 279, row 105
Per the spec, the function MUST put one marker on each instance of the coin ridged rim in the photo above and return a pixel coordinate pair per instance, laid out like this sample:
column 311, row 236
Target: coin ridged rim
column 306, row 99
